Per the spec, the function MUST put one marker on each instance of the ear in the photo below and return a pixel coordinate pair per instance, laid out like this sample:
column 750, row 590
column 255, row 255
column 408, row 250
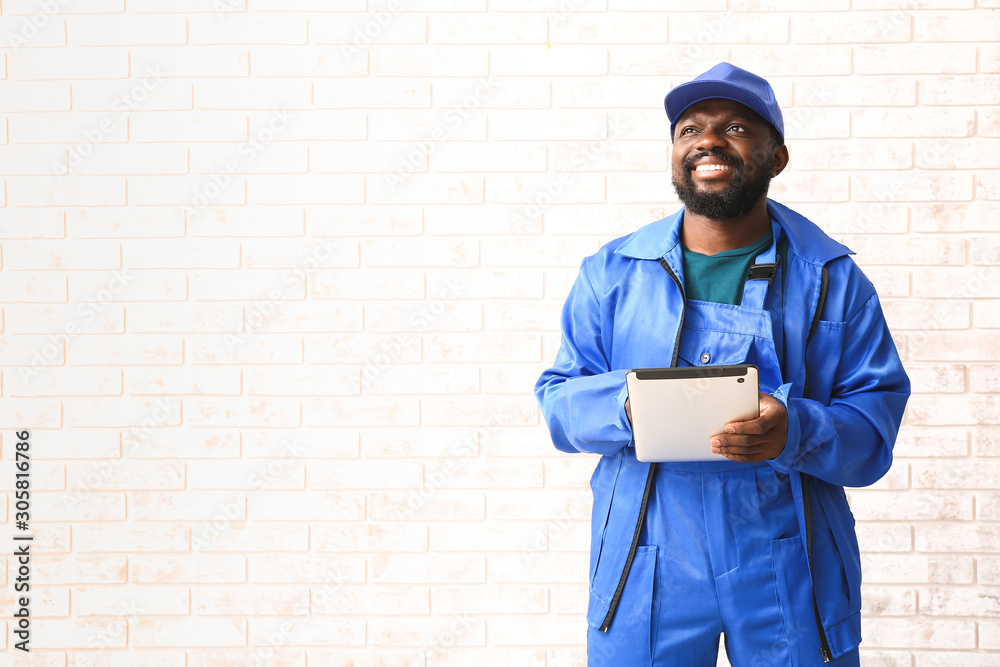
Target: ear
column 780, row 160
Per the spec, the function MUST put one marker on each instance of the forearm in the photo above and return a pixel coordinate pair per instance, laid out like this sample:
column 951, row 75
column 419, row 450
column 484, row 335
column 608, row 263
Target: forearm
column 585, row 413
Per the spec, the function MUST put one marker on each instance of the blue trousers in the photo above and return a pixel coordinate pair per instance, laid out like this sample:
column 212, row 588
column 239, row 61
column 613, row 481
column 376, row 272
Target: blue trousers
column 720, row 554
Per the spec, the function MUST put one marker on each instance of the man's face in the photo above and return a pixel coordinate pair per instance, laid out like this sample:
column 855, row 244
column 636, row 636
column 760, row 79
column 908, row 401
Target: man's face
column 724, row 158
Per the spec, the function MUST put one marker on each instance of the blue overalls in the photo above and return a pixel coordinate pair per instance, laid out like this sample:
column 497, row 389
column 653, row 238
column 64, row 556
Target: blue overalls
column 845, row 391
column 720, row 549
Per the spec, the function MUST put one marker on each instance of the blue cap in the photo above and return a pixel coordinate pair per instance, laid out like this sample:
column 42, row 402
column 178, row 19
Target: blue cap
column 728, row 82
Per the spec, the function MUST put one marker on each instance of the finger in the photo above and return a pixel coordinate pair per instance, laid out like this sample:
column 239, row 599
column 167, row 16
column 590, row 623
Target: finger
column 758, row 426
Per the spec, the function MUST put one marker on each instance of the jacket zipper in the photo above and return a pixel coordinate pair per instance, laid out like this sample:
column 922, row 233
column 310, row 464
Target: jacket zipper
column 824, row 645
column 606, row 624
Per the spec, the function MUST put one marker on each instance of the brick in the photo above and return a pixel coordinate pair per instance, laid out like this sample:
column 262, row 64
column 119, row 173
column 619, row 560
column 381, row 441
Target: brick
column 239, row 601
column 375, row 350
column 80, row 506
column 428, row 568
column 304, row 61
column 970, row 282
column 71, row 62
column 954, row 90
column 188, row 506
column 59, row 254
column 794, row 187
column 987, row 186
column 365, row 220
column 852, row 155
column 190, row 569
column 495, row 657
column 182, row 381
column 904, row 633
column 937, row 123
column 296, row 381
column 482, row 347
column 256, row 94
column 537, row 568
column 667, row 60
column 309, row 189
column 156, row 126
column 79, row 569
column 791, row 60
column 460, row 536
column 122, row 600
column 943, row 153
column 374, row 600
column 109, row 537
column 483, row 29
column 74, row 191
column 303, row 317
column 522, row 316
column 511, row 378
column 817, row 123
column 909, row 569
column 402, row 189
column 460, row 631
column 985, row 250
column 326, row 569
column 435, row 61
column 477, row 474
column 853, row 91
column 911, row 505
column 610, row 221
column 261, row 285
column 312, row 631
column 114, row 159
column 316, row 443
column 474, row 156
column 357, row 411
column 372, row 283
column 43, row 223
column 63, row 381
column 303, row 255
column 307, row 505
column 371, row 157
column 100, row 350
column 70, row 319
column 129, row 475
column 206, row 657
column 915, row 59
column 934, row 378
column 35, row 160
column 570, row 125
column 180, row 253
column 538, row 505
column 853, row 28
column 66, row 634
column 249, row 347
column 924, row 314
column 98, row 30
column 960, row 474
column 912, row 186
column 969, row 538
column 371, row 94
column 728, row 28
column 366, row 475
column 370, row 538
column 613, row 28
column 246, row 474
column 115, row 223
column 184, row 318
column 426, row 316
column 242, row 538
column 492, row 93
column 536, row 191
column 432, row 504
column 951, row 410
column 983, row 379
column 884, row 537
column 433, row 379
column 529, row 632
column 274, row 29
column 356, row 27
column 429, row 252
column 188, row 632
column 535, row 60
column 955, row 27
column 44, row 602
column 427, row 442
column 252, row 412
column 914, row 4
column 426, row 129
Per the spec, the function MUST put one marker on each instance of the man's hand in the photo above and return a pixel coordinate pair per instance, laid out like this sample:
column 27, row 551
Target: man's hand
column 758, row 439
column 628, row 412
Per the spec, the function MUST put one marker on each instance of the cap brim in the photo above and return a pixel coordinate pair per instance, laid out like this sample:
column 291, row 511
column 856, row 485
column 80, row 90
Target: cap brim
column 683, row 96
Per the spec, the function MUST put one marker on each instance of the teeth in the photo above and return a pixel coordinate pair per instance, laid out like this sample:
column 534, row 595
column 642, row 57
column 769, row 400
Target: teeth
column 712, row 167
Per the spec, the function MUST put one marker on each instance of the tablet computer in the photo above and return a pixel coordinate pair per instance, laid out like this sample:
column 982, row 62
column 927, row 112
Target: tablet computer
column 675, row 411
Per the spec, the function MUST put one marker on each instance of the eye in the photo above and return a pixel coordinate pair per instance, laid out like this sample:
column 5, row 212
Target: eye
column 739, row 128
column 687, row 129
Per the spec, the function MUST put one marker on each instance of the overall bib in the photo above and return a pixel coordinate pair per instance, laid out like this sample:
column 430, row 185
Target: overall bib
column 720, row 549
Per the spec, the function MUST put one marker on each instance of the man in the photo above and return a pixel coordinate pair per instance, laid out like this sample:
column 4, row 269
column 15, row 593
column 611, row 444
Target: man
column 759, row 547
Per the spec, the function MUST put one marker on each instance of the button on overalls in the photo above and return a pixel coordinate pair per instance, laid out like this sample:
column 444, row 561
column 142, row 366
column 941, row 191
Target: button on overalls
column 720, row 548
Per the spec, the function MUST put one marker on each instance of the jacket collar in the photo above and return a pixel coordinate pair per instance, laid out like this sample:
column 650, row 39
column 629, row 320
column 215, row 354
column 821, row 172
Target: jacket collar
column 805, row 239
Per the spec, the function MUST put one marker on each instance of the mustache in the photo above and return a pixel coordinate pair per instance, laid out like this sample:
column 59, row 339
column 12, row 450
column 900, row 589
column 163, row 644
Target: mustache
column 733, row 160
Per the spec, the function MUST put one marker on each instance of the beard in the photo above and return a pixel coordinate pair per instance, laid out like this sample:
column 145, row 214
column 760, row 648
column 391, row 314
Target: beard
column 737, row 199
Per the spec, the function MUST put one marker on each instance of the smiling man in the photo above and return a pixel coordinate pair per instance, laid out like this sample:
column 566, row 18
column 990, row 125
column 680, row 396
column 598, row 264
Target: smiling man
column 760, row 546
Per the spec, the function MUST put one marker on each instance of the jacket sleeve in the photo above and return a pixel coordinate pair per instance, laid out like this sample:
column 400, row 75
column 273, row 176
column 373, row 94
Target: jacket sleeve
column 582, row 399
column 849, row 442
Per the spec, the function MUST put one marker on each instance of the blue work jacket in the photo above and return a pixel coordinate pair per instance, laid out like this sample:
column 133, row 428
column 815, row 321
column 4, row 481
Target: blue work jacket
column 625, row 311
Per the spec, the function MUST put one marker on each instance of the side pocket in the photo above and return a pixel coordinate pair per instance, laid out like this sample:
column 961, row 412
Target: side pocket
column 629, row 640
column 822, row 357
column 793, row 591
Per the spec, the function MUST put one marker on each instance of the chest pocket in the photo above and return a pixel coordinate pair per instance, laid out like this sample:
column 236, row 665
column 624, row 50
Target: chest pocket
column 713, row 348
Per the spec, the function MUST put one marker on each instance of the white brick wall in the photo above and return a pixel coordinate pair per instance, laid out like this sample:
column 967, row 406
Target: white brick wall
column 277, row 278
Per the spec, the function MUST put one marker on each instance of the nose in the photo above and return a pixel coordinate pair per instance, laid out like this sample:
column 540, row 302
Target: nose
column 711, row 137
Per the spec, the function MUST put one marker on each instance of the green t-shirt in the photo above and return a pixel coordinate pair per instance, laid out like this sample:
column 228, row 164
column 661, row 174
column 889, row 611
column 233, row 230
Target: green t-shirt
column 719, row 278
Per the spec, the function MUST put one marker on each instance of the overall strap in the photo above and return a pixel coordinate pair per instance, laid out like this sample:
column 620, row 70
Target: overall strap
column 762, row 272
